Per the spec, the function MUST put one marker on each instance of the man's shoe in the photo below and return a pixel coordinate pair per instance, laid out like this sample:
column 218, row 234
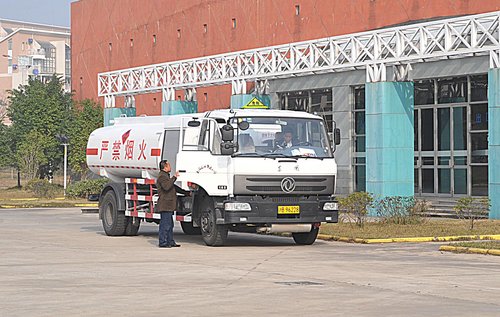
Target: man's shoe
column 164, row 246
column 175, row 245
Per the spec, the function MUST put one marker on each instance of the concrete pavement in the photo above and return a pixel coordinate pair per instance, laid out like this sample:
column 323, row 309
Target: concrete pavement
column 58, row 262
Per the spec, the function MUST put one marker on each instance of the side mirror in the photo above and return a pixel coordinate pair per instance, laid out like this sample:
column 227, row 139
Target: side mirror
column 227, row 148
column 336, row 136
column 243, row 125
column 227, row 132
column 194, row 123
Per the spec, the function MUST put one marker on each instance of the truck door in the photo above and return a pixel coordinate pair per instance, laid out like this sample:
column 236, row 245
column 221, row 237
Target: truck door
column 171, row 147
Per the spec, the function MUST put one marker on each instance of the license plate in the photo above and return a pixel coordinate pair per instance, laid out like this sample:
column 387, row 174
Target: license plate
column 288, row 210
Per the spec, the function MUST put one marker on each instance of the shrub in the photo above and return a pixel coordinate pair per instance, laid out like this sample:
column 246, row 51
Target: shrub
column 471, row 209
column 87, row 187
column 42, row 188
column 400, row 210
column 356, row 206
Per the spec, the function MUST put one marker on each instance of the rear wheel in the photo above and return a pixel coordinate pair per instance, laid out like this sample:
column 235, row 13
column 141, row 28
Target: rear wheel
column 189, row 229
column 305, row 238
column 212, row 233
column 114, row 221
column 132, row 229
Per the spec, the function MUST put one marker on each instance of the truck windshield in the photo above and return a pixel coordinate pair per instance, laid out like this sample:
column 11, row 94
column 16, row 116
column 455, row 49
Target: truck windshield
column 282, row 137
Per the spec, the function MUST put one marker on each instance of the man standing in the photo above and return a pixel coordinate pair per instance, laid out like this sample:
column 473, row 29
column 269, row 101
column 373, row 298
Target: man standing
column 167, row 203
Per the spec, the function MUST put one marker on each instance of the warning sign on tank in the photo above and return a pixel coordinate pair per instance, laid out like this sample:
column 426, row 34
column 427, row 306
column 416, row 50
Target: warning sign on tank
column 255, row 104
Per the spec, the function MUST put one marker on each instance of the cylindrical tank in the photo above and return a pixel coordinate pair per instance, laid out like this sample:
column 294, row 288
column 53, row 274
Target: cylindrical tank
column 130, row 148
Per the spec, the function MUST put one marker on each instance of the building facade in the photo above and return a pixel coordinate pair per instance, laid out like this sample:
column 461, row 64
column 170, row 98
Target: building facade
column 32, row 50
column 442, row 126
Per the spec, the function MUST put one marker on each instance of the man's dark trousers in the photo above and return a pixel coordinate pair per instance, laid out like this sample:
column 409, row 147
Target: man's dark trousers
column 166, row 230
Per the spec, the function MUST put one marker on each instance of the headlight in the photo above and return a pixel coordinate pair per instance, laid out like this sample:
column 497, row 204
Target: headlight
column 330, row 206
column 235, row 206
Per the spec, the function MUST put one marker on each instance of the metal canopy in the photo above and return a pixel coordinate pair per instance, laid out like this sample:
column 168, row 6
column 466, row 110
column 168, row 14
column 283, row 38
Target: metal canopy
column 441, row 39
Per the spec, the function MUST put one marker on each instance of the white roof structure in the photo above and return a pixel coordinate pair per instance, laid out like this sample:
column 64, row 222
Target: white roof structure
column 374, row 50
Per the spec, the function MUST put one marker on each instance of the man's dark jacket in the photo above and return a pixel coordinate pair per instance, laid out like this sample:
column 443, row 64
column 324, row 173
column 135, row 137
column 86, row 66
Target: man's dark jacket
column 167, row 198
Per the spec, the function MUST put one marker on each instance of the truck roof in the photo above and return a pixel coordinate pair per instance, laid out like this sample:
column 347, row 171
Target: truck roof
column 175, row 120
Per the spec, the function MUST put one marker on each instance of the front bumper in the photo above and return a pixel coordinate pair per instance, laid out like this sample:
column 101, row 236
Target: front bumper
column 265, row 210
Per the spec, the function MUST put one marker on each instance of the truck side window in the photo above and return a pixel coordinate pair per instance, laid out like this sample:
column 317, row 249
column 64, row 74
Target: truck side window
column 216, row 137
column 196, row 138
column 170, row 147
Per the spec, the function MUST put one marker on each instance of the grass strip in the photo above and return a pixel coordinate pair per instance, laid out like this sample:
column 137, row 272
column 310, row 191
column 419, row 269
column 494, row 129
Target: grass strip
column 428, row 230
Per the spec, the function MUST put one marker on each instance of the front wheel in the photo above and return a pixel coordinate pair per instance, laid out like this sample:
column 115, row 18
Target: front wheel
column 305, row 238
column 212, row 233
column 114, row 221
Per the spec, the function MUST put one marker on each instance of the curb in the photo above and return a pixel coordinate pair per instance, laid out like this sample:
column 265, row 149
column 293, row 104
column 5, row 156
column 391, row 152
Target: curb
column 469, row 250
column 47, row 206
column 415, row 239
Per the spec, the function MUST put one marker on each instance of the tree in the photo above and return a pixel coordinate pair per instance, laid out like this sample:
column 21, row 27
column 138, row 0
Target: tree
column 3, row 109
column 87, row 116
column 39, row 111
column 6, row 149
column 30, row 155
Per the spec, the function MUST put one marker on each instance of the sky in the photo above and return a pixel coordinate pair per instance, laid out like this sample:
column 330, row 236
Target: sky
column 54, row 12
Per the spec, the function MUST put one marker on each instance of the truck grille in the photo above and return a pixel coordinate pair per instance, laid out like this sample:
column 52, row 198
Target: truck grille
column 306, row 185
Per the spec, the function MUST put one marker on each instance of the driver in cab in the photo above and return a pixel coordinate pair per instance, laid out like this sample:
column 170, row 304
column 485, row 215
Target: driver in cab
column 288, row 140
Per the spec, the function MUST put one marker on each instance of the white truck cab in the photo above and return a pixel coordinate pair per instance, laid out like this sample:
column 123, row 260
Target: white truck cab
column 248, row 170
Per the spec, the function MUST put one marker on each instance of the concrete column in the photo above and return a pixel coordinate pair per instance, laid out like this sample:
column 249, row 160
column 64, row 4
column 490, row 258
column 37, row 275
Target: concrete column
column 245, row 101
column 172, row 107
column 494, row 142
column 389, row 139
column 111, row 113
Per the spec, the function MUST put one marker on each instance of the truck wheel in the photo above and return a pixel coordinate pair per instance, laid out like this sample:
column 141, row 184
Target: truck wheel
column 131, row 229
column 113, row 220
column 189, row 229
column 305, row 238
column 212, row 233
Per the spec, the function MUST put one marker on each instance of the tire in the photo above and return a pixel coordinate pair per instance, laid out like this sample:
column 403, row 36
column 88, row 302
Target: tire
column 131, row 229
column 305, row 238
column 189, row 229
column 212, row 233
column 114, row 221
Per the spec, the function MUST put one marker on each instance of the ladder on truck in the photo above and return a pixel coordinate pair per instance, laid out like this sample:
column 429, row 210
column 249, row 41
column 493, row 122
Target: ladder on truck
column 141, row 196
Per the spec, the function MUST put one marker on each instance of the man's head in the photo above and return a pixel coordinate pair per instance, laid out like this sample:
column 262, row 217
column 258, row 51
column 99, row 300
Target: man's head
column 288, row 136
column 165, row 166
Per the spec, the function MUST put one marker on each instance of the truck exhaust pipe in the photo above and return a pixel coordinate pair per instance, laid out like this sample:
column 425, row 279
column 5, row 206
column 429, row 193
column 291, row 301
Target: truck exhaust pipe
column 280, row 228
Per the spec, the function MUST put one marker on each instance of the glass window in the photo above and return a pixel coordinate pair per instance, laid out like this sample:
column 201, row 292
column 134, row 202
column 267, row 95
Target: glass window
column 415, row 130
column 427, row 129
column 424, row 92
column 479, row 147
column 359, row 122
column 444, row 129
column 479, row 88
column 427, row 180
column 360, row 144
column 444, row 181
column 460, row 185
column 452, row 90
column 359, row 98
column 282, row 137
column 479, row 181
column 479, row 117
column 460, row 128
column 360, row 181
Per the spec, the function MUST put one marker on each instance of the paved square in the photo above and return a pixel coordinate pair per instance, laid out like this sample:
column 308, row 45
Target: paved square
column 58, row 262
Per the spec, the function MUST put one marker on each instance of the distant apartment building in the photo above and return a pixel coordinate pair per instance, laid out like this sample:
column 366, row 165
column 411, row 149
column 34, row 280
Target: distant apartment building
column 32, row 50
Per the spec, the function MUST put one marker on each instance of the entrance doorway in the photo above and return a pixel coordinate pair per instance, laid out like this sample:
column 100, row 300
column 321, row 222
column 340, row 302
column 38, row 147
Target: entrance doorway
column 441, row 150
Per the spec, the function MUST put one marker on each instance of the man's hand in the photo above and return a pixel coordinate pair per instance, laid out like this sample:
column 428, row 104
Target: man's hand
column 176, row 174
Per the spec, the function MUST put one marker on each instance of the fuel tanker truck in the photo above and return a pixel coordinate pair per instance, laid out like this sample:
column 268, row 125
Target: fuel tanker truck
column 248, row 170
